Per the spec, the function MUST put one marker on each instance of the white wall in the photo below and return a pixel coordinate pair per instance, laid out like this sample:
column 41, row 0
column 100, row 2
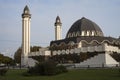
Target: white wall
column 101, row 48
column 111, row 48
column 100, row 60
column 79, row 50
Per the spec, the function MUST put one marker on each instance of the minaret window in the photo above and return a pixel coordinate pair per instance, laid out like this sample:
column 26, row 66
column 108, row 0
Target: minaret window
column 83, row 33
column 26, row 11
column 58, row 20
column 93, row 33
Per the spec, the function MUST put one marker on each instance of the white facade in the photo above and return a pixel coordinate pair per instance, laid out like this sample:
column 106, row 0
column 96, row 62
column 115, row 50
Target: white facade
column 101, row 48
column 110, row 48
column 81, row 50
column 100, row 60
column 58, row 29
column 25, row 37
column 31, row 62
column 41, row 52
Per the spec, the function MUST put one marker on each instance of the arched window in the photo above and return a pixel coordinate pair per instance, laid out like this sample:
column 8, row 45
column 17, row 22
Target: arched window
column 69, row 35
column 73, row 34
column 79, row 45
column 83, row 33
column 93, row 33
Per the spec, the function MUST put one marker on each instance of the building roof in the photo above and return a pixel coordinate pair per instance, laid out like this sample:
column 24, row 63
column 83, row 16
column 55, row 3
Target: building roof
column 58, row 21
column 85, row 25
column 26, row 10
column 88, row 39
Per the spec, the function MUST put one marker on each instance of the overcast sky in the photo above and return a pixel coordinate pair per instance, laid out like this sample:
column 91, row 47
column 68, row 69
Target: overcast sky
column 105, row 13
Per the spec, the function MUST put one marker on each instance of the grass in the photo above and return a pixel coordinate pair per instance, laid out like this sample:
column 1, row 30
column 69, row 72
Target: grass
column 76, row 74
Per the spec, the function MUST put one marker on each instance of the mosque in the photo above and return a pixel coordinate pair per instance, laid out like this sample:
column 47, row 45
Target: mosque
column 84, row 45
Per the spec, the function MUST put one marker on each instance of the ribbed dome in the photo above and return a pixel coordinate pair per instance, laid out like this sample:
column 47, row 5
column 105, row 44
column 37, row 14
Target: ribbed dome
column 84, row 27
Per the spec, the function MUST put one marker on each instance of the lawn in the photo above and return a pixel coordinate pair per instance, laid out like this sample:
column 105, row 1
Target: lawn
column 76, row 74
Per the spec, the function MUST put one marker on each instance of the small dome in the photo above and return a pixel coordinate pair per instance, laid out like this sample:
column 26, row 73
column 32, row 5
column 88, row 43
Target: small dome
column 57, row 18
column 26, row 10
column 58, row 21
column 84, row 27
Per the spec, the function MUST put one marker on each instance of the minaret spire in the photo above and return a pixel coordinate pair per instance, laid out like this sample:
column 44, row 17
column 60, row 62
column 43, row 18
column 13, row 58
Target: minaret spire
column 26, row 17
column 58, row 21
column 26, row 12
column 58, row 29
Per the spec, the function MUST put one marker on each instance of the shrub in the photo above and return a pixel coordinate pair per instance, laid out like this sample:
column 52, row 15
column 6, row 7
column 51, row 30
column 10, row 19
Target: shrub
column 61, row 69
column 46, row 68
column 3, row 71
column 26, row 74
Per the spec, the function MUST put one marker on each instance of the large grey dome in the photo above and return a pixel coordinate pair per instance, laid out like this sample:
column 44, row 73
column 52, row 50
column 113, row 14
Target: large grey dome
column 84, row 27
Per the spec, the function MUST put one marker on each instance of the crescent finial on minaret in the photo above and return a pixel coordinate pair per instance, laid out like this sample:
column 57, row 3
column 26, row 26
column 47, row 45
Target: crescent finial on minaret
column 58, row 21
column 26, row 12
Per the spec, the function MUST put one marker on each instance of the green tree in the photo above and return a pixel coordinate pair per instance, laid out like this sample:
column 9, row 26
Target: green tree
column 17, row 55
column 5, row 60
column 1, row 58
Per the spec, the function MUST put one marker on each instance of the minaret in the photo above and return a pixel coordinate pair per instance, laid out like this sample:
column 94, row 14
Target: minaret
column 26, row 17
column 58, row 29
